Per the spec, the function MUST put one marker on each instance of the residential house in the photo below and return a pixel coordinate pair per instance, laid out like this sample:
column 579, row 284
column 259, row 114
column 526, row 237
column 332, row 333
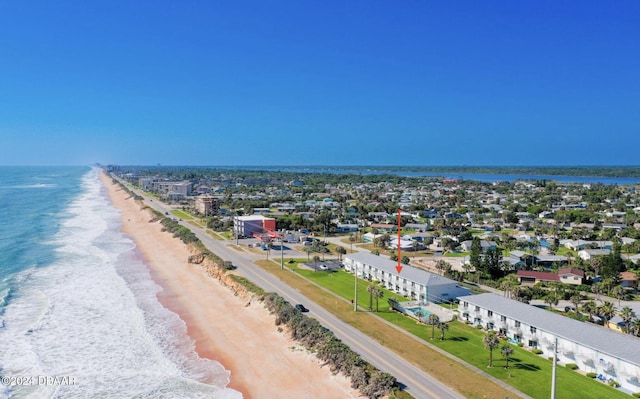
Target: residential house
column 486, row 245
column 570, row 275
column 532, row 277
column 388, row 227
column 628, row 280
column 588, row 254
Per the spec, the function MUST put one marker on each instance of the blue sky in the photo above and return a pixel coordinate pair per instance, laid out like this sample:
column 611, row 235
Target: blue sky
column 320, row 83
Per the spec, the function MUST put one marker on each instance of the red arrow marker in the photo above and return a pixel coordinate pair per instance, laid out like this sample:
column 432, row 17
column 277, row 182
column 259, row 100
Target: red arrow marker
column 399, row 267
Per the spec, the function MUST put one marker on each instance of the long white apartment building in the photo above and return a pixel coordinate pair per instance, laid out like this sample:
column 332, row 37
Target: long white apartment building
column 611, row 354
column 412, row 282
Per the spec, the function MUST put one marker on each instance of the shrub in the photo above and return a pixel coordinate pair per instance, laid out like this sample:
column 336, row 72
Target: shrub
column 537, row 351
column 521, row 344
column 591, row 374
column 636, row 394
column 572, row 366
column 614, row 384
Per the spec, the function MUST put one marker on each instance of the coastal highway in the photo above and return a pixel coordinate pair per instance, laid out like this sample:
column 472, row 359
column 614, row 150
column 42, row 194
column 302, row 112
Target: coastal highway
column 416, row 382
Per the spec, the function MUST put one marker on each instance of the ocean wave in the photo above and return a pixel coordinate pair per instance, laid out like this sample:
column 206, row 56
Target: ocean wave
column 93, row 314
column 37, row 185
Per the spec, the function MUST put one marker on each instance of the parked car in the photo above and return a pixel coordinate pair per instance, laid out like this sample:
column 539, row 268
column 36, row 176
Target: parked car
column 301, row 308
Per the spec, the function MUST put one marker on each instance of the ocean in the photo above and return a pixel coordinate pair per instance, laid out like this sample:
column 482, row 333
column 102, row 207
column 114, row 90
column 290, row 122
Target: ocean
column 79, row 314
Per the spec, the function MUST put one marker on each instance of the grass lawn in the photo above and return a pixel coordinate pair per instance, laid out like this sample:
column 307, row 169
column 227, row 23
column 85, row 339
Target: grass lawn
column 527, row 372
column 181, row 214
column 456, row 254
column 565, row 251
column 467, row 382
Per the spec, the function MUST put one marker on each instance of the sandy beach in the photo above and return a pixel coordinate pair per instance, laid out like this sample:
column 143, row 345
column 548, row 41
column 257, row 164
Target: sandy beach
column 264, row 363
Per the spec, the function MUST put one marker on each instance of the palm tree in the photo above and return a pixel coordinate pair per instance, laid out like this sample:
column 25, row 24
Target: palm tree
column 635, row 327
column 575, row 299
column 627, row 314
column 352, row 239
column 440, row 265
column 377, row 294
column 442, row 326
column 607, row 310
column 384, row 240
column 467, row 269
column 341, row 251
column 433, row 320
column 506, row 351
column 596, row 288
column 316, row 258
column 420, row 314
column 551, row 299
column 508, row 284
column 591, row 308
column 491, row 342
column 370, row 289
column 619, row 292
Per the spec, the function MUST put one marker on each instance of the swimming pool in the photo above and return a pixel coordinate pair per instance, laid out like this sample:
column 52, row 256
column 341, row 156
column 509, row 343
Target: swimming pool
column 414, row 310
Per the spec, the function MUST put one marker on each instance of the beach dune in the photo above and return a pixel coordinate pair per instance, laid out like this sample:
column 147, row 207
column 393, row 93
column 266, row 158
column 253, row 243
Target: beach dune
column 264, row 362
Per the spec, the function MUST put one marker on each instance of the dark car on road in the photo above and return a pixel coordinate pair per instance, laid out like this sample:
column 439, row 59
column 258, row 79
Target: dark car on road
column 301, row 308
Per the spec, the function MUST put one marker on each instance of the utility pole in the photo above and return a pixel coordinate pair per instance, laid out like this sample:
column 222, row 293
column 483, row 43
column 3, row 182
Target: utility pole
column 355, row 280
column 282, row 252
column 553, row 372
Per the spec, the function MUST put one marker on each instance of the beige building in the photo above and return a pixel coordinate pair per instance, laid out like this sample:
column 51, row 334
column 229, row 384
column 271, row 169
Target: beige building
column 207, row 205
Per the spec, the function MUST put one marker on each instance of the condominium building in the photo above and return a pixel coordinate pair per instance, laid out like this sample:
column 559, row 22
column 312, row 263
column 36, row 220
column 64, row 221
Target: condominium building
column 412, row 282
column 613, row 355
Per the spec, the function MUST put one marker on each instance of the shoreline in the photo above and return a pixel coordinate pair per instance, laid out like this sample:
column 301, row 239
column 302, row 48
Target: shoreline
column 262, row 361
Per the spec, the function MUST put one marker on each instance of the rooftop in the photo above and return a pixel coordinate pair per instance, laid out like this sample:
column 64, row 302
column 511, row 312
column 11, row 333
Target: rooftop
column 622, row 346
column 410, row 273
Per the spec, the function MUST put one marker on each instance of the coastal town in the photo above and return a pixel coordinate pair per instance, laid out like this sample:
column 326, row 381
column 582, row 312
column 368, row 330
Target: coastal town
column 544, row 266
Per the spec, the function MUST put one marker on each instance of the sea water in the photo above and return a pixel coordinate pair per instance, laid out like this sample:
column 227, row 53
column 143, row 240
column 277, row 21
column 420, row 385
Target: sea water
column 79, row 314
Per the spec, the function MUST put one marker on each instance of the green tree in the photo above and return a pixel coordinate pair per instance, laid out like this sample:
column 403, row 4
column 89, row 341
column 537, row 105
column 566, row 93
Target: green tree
column 341, row 251
column 433, row 320
column 491, row 342
column 590, row 308
column 475, row 257
column 619, row 293
column 607, row 310
column 377, row 294
column 506, row 351
column 442, row 326
column 635, row 327
column 575, row 300
column 627, row 314
column 551, row 299
column 370, row 289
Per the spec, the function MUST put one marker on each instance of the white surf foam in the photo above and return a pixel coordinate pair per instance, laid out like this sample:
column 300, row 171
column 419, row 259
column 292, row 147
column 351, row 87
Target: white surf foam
column 94, row 315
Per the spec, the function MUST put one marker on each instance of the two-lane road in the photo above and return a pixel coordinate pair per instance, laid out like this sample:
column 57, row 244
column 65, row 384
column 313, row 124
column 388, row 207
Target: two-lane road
column 418, row 383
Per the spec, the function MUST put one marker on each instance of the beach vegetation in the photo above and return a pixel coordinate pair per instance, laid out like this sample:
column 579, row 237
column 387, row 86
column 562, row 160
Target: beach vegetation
column 183, row 233
column 364, row 377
